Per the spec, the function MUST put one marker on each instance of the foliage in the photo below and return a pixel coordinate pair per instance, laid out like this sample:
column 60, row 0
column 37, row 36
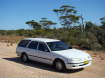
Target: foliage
column 93, row 37
column 102, row 22
column 67, row 15
column 46, row 23
column 33, row 24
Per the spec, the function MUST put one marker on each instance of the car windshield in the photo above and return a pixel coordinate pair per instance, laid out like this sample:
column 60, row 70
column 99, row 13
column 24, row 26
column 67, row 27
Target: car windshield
column 58, row 45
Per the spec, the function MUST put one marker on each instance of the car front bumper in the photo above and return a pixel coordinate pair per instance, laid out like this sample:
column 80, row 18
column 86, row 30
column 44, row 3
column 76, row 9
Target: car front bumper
column 78, row 65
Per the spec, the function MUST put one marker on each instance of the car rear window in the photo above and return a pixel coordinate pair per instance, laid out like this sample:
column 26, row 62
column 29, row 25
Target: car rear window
column 23, row 43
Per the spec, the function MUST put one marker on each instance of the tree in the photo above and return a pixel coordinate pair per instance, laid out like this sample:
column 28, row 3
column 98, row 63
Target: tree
column 96, row 35
column 82, row 26
column 89, row 26
column 46, row 24
column 67, row 15
column 33, row 24
column 103, row 22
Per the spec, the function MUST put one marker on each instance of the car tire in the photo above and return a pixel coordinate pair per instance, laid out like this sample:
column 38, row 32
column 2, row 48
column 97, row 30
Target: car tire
column 59, row 65
column 24, row 58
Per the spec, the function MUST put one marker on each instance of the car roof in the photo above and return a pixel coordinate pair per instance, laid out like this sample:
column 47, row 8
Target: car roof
column 42, row 39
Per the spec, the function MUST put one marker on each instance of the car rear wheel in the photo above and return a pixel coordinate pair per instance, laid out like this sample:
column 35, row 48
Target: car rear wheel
column 24, row 58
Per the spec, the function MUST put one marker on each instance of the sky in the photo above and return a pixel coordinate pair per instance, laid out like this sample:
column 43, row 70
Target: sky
column 14, row 13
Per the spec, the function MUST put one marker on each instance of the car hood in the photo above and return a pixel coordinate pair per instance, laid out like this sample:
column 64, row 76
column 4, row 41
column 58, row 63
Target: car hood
column 72, row 53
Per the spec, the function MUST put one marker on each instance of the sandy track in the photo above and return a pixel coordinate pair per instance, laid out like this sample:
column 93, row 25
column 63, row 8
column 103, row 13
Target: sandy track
column 12, row 67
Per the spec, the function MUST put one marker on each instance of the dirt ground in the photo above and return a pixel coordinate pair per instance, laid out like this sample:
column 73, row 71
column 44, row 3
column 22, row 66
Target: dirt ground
column 12, row 67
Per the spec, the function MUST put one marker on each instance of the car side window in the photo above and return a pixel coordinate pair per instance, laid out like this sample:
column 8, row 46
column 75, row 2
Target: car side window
column 43, row 47
column 23, row 43
column 33, row 45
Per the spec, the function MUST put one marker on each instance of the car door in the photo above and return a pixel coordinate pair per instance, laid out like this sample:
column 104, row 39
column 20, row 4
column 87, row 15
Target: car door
column 44, row 53
column 32, row 50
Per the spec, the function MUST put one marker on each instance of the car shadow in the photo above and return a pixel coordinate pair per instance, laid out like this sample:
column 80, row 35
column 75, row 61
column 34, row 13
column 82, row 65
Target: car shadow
column 40, row 65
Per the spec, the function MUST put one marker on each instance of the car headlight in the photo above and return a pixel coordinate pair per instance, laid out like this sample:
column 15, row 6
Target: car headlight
column 72, row 60
column 75, row 59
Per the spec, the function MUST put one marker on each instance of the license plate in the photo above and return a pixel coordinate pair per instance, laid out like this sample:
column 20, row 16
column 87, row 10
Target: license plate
column 86, row 62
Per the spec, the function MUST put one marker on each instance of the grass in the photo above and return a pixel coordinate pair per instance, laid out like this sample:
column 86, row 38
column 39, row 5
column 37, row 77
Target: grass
column 10, row 40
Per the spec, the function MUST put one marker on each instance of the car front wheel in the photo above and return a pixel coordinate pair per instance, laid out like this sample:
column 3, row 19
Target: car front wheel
column 59, row 65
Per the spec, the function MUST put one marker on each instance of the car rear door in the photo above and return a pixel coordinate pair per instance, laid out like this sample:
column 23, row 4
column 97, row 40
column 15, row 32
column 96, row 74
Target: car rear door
column 44, row 54
column 32, row 50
